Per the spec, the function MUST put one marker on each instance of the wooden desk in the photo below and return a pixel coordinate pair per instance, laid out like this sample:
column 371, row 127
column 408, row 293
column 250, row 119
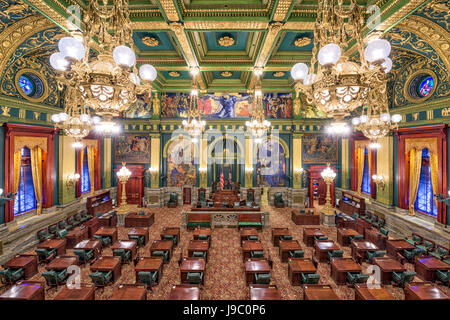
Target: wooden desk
column 319, row 292
column 344, row 234
column 199, row 246
column 264, row 293
column 62, row 263
column 387, row 266
column 204, row 231
column 108, row 219
column 321, row 248
column 27, row 262
column 107, row 232
column 184, row 292
column 76, row 235
column 127, row 245
column 25, row 290
column 173, row 231
column 359, row 248
column 192, row 265
column 305, row 218
column 286, row 246
column 139, row 232
column 248, row 246
column 134, row 219
column 58, row 244
column 374, row 236
column 340, row 267
column 397, row 246
column 309, row 234
column 423, row 291
column 255, row 266
column 149, row 264
column 245, row 232
column 361, row 226
column 89, row 245
column 362, row 292
column 92, row 225
column 108, row 264
column 296, row 266
column 277, row 233
column 128, row 292
column 83, row 293
column 426, row 267
column 162, row 245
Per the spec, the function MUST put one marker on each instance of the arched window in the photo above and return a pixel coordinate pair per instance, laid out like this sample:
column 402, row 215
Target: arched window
column 425, row 197
column 85, row 180
column 25, row 198
column 365, row 185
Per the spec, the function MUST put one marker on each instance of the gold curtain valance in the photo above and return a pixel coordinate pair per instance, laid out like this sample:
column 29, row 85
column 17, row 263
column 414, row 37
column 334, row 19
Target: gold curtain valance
column 362, row 144
column 90, row 143
column 421, row 143
column 30, row 143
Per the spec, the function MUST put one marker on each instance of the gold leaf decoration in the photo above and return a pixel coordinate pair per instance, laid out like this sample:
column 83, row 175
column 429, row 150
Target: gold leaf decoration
column 150, row 41
column 302, row 41
column 278, row 74
column 226, row 41
column 226, row 74
column 174, row 74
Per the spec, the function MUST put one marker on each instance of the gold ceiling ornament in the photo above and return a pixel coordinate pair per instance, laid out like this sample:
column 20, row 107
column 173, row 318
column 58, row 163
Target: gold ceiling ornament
column 226, row 74
column 302, row 41
column 278, row 74
column 334, row 84
column 226, row 41
column 109, row 81
column 258, row 125
column 194, row 125
column 174, row 74
column 150, row 41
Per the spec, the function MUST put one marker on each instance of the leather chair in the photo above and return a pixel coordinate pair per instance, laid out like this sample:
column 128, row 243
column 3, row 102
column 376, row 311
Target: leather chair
column 160, row 253
column 194, row 277
column 11, row 276
column 262, row 278
column 53, row 228
column 410, row 255
column 310, row 278
column 70, row 222
column 375, row 254
column 173, row 200
column 43, row 235
column 257, row 254
column 105, row 240
column 203, row 237
column 320, row 238
column 61, row 234
column 384, row 231
column 335, row 254
column 286, row 237
column 252, row 238
column 296, row 253
column 353, row 277
column 84, row 216
column 100, row 278
column 355, row 216
column 427, row 246
column 356, row 237
column 440, row 252
column 400, row 278
column 199, row 254
column 148, row 278
column 45, row 255
column 55, row 278
column 171, row 237
column 141, row 213
column 84, row 256
column 77, row 219
column 278, row 200
column 443, row 276
column 415, row 239
column 125, row 255
column 139, row 239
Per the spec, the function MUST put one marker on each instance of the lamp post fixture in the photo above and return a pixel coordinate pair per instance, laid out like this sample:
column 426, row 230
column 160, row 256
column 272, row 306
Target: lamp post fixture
column 328, row 176
column 123, row 175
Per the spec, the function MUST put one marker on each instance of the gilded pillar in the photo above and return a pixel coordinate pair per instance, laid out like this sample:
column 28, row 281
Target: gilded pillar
column 385, row 168
column 249, row 168
column 345, row 164
column 66, row 167
column 107, row 162
column 154, row 160
column 297, row 160
column 203, row 163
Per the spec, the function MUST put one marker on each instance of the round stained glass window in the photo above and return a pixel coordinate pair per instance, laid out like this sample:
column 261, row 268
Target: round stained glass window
column 421, row 86
column 426, row 86
column 31, row 85
column 27, row 85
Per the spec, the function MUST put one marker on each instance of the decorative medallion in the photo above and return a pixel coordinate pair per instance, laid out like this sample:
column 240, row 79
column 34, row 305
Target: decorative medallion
column 278, row 74
column 226, row 41
column 150, row 41
column 226, row 74
column 174, row 74
column 302, row 41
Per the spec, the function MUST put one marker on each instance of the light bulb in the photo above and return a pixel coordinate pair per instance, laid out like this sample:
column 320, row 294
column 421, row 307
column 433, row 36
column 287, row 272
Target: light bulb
column 329, row 54
column 396, row 118
column 387, row 65
column 377, row 50
column 63, row 116
column 355, row 121
column 147, row 72
column 299, row 71
column 58, row 61
column 385, row 117
column 124, row 56
column 71, row 48
column 85, row 118
column 55, row 118
column 363, row 118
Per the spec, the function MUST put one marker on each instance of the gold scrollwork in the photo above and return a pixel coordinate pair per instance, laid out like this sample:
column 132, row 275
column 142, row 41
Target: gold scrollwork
column 29, row 142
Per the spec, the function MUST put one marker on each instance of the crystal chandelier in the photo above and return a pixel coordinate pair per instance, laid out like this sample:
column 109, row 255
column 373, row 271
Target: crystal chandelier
column 333, row 83
column 108, row 81
column 258, row 125
column 194, row 124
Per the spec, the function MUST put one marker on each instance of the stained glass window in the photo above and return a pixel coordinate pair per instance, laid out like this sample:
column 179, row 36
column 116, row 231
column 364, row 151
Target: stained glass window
column 85, row 181
column 425, row 197
column 426, row 86
column 27, row 85
column 365, row 185
column 25, row 198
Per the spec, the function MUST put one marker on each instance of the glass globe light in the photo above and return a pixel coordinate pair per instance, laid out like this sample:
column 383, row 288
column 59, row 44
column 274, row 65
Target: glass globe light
column 85, row 118
column 299, row 71
column 377, row 50
column 96, row 120
column 329, row 54
column 258, row 93
column 63, row 116
column 124, row 56
column 77, row 145
column 355, row 121
column 71, row 48
column 147, row 72
column 309, row 79
column 55, row 118
column 396, row 117
column 385, row 117
column 363, row 118
column 58, row 62
column 387, row 65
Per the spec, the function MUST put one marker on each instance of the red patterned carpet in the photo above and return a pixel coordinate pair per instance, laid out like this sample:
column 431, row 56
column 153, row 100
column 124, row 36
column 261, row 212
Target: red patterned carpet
column 225, row 277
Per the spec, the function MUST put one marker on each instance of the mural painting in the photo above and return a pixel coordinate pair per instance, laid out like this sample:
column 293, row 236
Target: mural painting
column 271, row 164
column 319, row 149
column 181, row 169
column 132, row 148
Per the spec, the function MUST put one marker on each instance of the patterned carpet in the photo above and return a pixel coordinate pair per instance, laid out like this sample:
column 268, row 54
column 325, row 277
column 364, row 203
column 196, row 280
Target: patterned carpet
column 225, row 276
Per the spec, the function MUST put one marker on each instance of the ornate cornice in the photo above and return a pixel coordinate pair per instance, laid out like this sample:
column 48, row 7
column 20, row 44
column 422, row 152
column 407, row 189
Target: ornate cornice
column 51, row 13
column 225, row 25
column 170, row 10
column 282, row 10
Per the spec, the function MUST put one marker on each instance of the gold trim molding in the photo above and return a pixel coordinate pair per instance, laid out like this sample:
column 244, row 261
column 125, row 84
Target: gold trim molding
column 29, row 142
column 420, row 143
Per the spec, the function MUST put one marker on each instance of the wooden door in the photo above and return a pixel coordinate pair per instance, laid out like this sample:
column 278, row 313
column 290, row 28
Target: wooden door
column 187, row 194
column 133, row 190
column 135, row 185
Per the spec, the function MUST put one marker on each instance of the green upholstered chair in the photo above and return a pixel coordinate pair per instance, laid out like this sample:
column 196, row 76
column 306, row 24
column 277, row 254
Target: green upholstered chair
column 426, row 246
column 250, row 195
column 139, row 239
column 310, row 278
column 54, row 278
column 400, row 278
column 415, row 239
column 262, row 278
column 442, row 253
column 61, row 234
column 173, row 200
column 84, row 216
column 62, row 225
column 84, row 255
column 447, row 261
column 4, row 275
column 199, row 254
column 356, row 237
column 70, row 222
column 161, row 253
column 443, row 276
column 148, row 277
column 411, row 254
column 194, row 277
column 278, row 200
column 53, row 228
column 353, row 277
column 45, row 255
column 335, row 254
column 77, row 219
column 252, row 238
column 375, row 254
column 296, row 253
column 105, row 240
column 320, row 238
column 125, row 255
column 237, row 204
column 44, row 235
column 98, row 214
column 141, row 213
column 203, row 237
column 101, row 278
column 201, row 196
column 257, row 254
column 11, row 276
column 202, row 204
column 286, row 237
column 355, row 216
column 384, row 231
column 171, row 237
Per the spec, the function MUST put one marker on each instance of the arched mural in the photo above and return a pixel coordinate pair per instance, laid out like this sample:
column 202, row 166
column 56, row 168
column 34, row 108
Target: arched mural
column 271, row 164
column 181, row 168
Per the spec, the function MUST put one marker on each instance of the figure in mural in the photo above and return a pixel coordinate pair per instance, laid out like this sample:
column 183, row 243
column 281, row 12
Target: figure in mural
column 180, row 164
column 141, row 109
column 319, row 149
column 271, row 164
column 132, row 148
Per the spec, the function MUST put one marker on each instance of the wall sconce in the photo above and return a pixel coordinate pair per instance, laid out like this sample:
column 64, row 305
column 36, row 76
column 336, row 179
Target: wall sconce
column 72, row 179
column 379, row 181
